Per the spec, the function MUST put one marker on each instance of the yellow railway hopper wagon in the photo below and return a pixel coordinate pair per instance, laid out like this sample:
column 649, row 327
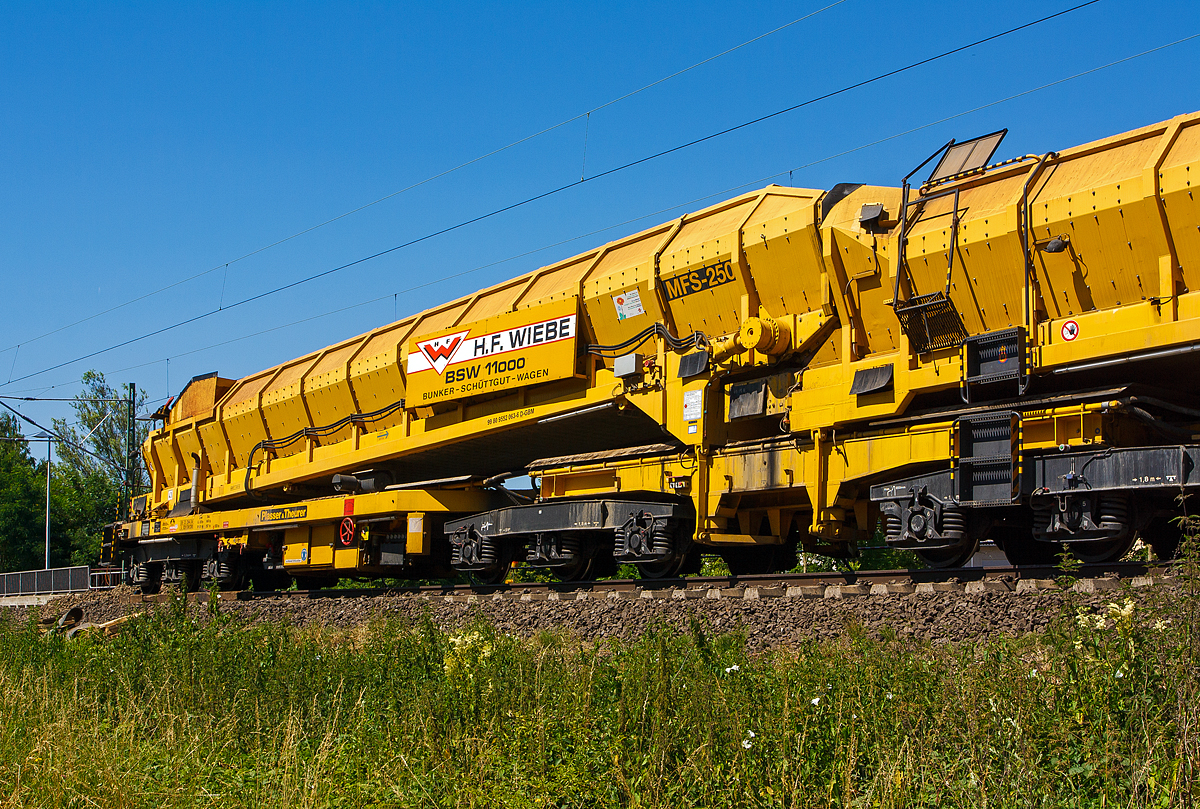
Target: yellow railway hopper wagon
column 787, row 369
column 1003, row 351
column 454, row 399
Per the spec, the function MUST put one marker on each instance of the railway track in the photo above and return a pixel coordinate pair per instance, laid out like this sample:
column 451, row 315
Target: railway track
column 823, row 584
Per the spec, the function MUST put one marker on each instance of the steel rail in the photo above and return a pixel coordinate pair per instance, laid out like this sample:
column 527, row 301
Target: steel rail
column 962, row 575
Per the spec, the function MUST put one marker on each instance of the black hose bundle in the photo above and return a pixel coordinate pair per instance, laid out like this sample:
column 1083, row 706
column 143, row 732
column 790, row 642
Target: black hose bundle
column 274, row 445
column 695, row 340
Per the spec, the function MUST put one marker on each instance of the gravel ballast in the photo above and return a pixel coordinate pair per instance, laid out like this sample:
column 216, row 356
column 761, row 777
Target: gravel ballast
column 938, row 617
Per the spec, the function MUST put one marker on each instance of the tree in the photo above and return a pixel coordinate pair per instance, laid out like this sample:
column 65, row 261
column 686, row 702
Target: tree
column 81, row 503
column 22, row 501
column 87, row 479
column 100, row 430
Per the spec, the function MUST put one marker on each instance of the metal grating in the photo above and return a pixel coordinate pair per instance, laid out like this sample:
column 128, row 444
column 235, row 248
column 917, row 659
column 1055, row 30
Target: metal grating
column 994, row 356
column 931, row 322
column 987, row 469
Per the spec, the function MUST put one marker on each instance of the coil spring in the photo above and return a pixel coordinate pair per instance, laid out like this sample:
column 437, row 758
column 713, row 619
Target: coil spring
column 141, row 574
column 992, row 432
column 554, row 547
column 1113, row 509
column 893, row 526
column 226, row 569
column 661, row 541
column 954, row 521
column 572, row 547
column 1043, row 511
column 474, row 550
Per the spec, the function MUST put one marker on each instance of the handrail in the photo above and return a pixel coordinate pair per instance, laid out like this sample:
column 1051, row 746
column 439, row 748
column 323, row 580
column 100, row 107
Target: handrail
column 901, row 257
column 1024, row 227
column 49, row 581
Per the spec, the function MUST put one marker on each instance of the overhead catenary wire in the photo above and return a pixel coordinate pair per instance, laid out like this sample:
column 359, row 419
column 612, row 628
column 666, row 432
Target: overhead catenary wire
column 566, row 186
column 660, row 211
column 466, row 164
column 60, row 439
column 48, row 399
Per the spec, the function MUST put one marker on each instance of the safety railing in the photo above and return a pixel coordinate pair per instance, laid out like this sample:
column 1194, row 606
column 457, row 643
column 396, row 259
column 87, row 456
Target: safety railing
column 46, row 582
column 107, row 578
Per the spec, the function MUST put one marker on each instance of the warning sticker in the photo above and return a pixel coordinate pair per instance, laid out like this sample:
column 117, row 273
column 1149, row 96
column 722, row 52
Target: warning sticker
column 693, row 405
column 629, row 304
column 1070, row 330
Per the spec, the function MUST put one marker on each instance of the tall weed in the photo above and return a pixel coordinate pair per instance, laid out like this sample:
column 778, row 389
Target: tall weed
column 192, row 708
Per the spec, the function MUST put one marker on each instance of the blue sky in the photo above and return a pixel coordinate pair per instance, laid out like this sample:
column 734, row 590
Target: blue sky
column 147, row 143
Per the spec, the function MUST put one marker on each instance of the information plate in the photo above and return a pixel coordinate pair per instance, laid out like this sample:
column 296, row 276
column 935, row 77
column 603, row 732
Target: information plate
column 500, row 353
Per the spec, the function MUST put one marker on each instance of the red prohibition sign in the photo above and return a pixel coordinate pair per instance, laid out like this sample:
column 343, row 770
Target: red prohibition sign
column 346, row 532
column 1070, row 330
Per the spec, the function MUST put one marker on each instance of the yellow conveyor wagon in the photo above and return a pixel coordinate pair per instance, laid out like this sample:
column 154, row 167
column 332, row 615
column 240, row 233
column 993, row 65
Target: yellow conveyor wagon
column 995, row 349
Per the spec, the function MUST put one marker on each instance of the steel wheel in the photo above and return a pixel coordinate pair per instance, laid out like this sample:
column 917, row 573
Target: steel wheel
column 1095, row 553
column 1020, row 548
column 955, row 556
column 578, row 570
column 665, row 569
column 1113, row 510
column 148, row 576
column 1163, row 534
column 189, row 574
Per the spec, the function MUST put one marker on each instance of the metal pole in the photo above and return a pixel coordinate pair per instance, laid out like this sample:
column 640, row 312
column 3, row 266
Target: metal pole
column 130, row 452
column 49, row 451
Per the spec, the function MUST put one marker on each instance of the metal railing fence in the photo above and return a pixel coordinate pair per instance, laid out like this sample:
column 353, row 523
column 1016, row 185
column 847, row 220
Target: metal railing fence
column 55, row 580
column 107, row 578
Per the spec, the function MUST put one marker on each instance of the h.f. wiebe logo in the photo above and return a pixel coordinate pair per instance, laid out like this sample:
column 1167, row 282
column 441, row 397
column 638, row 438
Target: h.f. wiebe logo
column 441, row 350
column 438, row 353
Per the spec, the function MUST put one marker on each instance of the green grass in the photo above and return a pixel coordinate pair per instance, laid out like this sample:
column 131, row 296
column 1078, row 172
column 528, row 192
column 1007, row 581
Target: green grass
column 189, row 709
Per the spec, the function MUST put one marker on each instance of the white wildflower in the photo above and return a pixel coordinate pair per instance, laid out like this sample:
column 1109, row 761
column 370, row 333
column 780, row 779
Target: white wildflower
column 1033, row 672
column 750, row 734
column 816, row 700
column 889, row 696
column 1119, row 674
column 733, row 668
column 1116, row 610
column 746, row 743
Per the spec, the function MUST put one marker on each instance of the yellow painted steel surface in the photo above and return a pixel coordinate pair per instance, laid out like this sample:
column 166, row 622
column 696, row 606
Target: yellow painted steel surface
column 311, row 542
column 776, row 277
column 369, row 373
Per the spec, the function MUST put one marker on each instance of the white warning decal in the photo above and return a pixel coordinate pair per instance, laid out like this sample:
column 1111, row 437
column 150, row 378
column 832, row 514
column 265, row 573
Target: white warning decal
column 629, row 304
